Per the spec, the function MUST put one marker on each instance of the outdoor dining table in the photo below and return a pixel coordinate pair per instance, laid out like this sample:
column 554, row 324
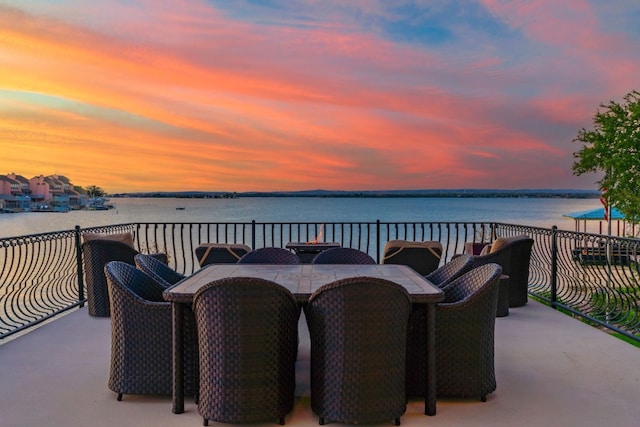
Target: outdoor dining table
column 302, row 280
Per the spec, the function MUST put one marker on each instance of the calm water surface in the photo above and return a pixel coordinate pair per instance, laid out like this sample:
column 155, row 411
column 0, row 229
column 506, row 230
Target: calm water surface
column 533, row 212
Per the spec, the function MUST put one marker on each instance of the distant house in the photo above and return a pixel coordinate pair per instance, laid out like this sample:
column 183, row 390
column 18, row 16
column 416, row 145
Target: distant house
column 5, row 183
column 56, row 187
column 9, row 186
column 11, row 192
column 40, row 192
column 23, row 184
column 60, row 192
column 75, row 199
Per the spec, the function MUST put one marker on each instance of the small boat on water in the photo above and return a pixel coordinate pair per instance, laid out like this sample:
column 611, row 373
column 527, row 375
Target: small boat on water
column 180, row 208
column 99, row 204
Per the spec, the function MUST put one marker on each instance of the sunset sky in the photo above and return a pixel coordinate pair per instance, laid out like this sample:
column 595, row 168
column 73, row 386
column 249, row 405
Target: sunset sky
column 143, row 95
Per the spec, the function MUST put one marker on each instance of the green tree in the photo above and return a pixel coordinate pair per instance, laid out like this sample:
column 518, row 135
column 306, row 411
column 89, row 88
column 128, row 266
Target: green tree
column 94, row 191
column 613, row 147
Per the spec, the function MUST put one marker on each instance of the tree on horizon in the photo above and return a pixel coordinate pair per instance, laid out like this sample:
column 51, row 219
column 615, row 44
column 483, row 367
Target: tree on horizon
column 94, row 191
column 613, row 148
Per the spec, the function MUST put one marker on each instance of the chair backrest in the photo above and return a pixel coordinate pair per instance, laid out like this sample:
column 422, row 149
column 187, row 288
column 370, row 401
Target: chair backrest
column 160, row 272
column 444, row 274
column 96, row 254
column 514, row 256
column 343, row 256
column 248, row 337
column 423, row 257
column 220, row 253
column 129, row 279
column 269, row 256
column 358, row 326
column 472, row 282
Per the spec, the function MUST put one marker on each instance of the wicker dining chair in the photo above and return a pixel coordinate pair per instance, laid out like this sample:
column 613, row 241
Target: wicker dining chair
column 220, row 253
column 465, row 328
column 96, row 254
column 423, row 257
column 416, row 344
column 343, row 256
column 358, row 332
column 513, row 254
column 248, row 337
column 157, row 270
column 269, row 256
column 141, row 335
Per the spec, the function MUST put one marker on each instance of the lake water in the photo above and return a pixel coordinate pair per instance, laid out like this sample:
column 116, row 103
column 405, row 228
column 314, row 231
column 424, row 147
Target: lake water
column 539, row 212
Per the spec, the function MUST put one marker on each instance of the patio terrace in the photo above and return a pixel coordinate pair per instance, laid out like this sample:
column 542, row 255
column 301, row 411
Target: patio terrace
column 552, row 370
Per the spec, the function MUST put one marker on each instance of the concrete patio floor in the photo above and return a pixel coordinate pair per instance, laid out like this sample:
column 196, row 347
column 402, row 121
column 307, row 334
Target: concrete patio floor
column 551, row 371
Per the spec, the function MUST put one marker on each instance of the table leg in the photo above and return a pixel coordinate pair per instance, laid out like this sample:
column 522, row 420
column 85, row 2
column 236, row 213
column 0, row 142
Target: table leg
column 178, row 357
column 430, row 381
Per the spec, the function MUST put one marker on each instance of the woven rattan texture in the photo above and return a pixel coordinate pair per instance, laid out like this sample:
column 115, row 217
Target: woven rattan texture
column 141, row 340
column 248, row 337
column 514, row 259
column 269, row 256
column 157, row 270
column 444, row 274
column 422, row 258
column 343, row 256
column 220, row 253
column 358, row 336
column 465, row 325
column 96, row 254
column 416, row 344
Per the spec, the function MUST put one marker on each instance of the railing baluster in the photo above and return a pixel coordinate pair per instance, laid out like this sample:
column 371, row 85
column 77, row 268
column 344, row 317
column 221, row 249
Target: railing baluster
column 554, row 266
column 79, row 266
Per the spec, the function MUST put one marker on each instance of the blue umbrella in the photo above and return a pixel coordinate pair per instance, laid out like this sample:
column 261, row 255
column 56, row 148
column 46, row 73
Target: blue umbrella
column 595, row 214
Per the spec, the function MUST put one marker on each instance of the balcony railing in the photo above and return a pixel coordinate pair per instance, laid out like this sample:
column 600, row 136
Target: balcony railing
column 591, row 276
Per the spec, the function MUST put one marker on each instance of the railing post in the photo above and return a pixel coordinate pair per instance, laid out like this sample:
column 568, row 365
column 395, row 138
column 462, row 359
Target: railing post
column 378, row 241
column 253, row 234
column 78, row 235
column 554, row 265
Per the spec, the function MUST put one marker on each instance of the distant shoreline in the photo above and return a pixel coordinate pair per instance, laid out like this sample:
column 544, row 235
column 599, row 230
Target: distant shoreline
column 563, row 194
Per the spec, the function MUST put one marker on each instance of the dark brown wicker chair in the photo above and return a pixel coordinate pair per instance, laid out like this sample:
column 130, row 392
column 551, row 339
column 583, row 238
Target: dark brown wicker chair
column 269, row 256
column 465, row 323
column 343, row 256
column 358, row 332
column 141, row 340
column 96, row 254
column 416, row 344
column 248, row 338
column 513, row 254
column 423, row 257
column 157, row 270
column 220, row 253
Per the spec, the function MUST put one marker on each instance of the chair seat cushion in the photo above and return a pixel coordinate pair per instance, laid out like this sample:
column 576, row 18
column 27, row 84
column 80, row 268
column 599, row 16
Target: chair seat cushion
column 501, row 242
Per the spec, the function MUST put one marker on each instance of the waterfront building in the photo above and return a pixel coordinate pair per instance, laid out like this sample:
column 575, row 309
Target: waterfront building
column 53, row 192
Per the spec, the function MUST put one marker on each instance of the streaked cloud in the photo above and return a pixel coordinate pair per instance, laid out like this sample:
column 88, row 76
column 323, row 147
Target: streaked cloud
column 291, row 95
